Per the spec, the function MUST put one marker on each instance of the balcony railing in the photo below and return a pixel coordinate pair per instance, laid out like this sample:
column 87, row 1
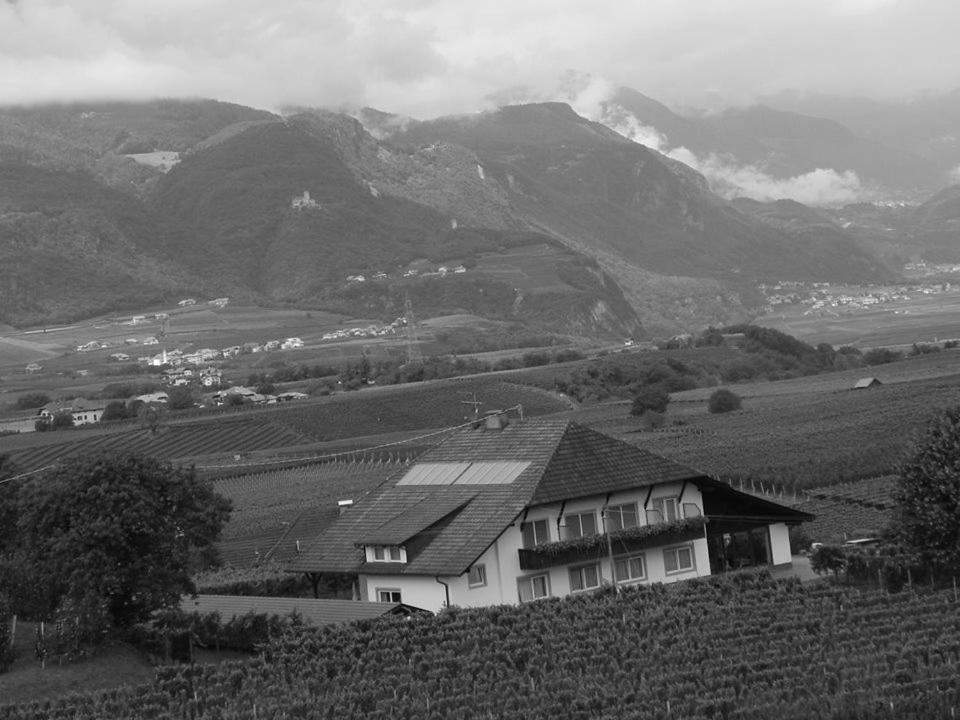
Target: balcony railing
column 593, row 547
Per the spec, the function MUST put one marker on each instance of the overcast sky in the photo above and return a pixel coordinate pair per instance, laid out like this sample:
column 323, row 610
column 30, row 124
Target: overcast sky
column 430, row 57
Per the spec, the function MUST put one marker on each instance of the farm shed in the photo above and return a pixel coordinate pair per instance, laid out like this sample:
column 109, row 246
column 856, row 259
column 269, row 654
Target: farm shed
column 313, row 611
column 506, row 512
column 866, row 383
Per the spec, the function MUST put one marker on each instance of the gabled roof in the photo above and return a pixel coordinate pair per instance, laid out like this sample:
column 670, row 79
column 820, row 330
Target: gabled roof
column 446, row 526
column 866, row 382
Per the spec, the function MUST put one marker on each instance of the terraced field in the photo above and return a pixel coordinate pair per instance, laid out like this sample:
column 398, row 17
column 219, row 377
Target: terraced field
column 173, row 442
column 804, row 439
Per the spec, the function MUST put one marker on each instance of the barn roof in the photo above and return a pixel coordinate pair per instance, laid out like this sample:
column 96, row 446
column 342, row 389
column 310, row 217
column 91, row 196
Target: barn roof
column 446, row 517
column 866, row 382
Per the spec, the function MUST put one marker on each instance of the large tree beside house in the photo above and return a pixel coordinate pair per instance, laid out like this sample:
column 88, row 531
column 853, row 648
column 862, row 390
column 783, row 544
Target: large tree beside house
column 109, row 537
column 507, row 512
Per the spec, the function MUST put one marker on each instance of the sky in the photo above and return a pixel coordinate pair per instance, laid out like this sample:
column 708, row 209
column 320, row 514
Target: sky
column 431, row 57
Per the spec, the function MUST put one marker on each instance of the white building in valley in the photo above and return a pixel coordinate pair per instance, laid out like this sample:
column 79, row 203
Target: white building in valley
column 509, row 512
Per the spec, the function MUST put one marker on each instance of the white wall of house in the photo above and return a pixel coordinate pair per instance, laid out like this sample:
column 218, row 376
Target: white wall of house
column 502, row 561
column 416, row 590
column 780, row 544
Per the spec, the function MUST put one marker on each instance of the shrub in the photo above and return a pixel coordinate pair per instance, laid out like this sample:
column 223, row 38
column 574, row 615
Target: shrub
column 881, row 356
column 650, row 398
column 827, row 558
column 29, row 401
column 723, row 400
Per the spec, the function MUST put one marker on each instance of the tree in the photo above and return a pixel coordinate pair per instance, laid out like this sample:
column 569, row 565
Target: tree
column 122, row 531
column 723, row 400
column 180, row 397
column 31, row 400
column 928, row 494
column 650, row 398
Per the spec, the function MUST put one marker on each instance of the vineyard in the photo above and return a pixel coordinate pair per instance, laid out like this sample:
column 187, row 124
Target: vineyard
column 736, row 646
column 274, row 511
column 798, row 441
column 172, row 442
column 407, row 407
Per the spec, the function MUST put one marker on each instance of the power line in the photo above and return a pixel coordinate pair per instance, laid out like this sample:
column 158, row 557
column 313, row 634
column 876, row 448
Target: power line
column 27, row 474
column 330, row 456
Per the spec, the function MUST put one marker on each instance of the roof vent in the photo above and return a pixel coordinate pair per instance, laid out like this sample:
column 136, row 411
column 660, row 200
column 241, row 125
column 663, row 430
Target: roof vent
column 495, row 420
column 344, row 505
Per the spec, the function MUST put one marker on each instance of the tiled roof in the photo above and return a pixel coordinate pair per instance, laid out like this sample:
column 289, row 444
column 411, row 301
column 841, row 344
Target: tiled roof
column 587, row 462
column 445, row 528
column 317, row 612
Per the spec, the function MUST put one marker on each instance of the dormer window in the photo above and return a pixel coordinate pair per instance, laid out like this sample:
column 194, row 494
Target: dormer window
column 386, row 553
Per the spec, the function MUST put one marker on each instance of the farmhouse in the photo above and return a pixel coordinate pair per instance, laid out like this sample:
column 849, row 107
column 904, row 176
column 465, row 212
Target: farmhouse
column 866, row 382
column 81, row 413
column 507, row 512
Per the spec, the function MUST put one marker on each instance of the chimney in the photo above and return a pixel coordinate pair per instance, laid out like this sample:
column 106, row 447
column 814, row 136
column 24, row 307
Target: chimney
column 495, row 420
column 344, row 505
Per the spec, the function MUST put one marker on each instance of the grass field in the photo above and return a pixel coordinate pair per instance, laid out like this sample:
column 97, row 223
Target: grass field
column 921, row 319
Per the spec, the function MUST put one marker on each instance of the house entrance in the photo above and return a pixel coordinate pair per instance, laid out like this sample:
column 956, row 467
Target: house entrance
column 739, row 549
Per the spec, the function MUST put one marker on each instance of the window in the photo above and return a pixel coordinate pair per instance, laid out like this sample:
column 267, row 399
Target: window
column 678, row 559
column 620, row 517
column 389, row 595
column 691, row 510
column 663, row 509
column 579, row 525
column 629, row 569
column 533, row 587
column 385, row 553
column 584, row 578
column 477, row 576
column 535, row 533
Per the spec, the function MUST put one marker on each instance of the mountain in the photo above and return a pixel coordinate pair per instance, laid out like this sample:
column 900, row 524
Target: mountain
column 70, row 247
column 583, row 183
column 748, row 150
column 927, row 126
column 549, row 218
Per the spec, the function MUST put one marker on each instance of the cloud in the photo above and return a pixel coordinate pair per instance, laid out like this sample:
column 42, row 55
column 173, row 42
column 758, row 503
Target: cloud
column 592, row 97
column 426, row 57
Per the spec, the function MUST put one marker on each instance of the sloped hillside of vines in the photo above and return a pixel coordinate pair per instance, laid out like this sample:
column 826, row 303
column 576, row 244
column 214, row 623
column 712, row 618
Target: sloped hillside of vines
column 738, row 647
column 802, row 440
column 172, row 442
column 408, row 407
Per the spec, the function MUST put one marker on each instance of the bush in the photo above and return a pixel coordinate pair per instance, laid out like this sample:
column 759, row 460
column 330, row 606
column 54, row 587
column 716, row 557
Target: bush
column 6, row 648
column 29, row 401
column 723, row 400
column 650, row 398
column 881, row 356
column 828, row 558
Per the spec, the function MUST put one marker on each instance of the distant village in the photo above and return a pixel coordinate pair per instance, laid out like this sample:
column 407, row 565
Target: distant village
column 828, row 299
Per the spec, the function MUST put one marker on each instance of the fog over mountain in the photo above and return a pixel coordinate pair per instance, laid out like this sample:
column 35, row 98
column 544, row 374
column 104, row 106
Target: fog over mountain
column 426, row 58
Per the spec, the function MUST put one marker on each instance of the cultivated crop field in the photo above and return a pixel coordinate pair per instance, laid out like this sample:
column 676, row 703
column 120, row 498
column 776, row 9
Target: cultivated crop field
column 920, row 319
column 799, row 433
column 175, row 442
column 396, row 408
column 734, row 646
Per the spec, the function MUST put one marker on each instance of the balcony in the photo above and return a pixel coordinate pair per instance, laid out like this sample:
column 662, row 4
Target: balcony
column 594, row 547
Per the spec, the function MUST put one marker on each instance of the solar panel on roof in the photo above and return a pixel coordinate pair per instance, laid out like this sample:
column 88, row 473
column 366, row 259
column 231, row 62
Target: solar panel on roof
column 433, row 473
column 492, row 473
column 464, row 473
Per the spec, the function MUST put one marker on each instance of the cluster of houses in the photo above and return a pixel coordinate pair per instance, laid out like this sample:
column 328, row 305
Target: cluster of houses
column 441, row 271
column 365, row 331
column 825, row 299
